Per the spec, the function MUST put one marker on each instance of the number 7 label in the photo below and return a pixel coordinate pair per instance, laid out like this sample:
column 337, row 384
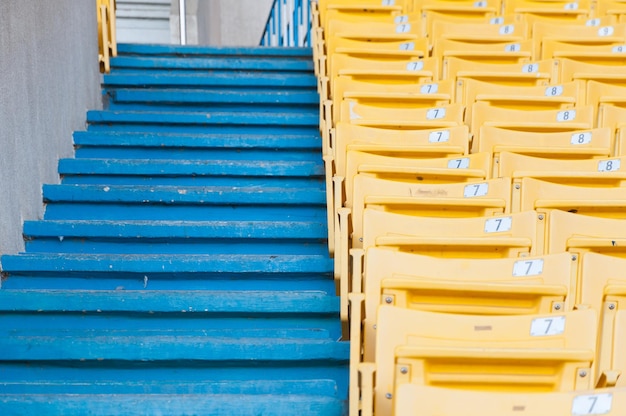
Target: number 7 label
column 592, row 404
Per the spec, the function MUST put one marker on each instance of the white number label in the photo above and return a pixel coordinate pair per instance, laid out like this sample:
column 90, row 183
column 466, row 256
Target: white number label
column 389, row 2
column 407, row 46
column 507, row 30
column 593, row 22
column 592, row 404
column 530, row 68
column 498, row 225
column 571, row 6
column 619, row 49
column 353, row 114
column 401, row 19
column 554, row 91
column 542, row 327
column 429, row 88
column 415, row 66
column 567, row 115
column 581, row 138
column 403, row 28
column 476, row 189
column 605, row 31
column 480, row 4
column 612, row 165
column 439, row 136
column 527, row 268
column 462, row 163
column 435, row 113
column 496, row 20
column 513, row 47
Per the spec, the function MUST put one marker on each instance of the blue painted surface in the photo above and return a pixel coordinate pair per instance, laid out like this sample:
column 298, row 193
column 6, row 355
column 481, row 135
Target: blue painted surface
column 181, row 265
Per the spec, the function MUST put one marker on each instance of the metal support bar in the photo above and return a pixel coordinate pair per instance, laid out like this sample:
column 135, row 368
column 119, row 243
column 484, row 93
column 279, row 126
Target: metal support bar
column 182, row 21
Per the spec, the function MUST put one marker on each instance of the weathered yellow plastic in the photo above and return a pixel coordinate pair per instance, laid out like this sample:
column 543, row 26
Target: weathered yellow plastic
column 579, row 34
column 579, row 144
column 385, row 68
column 469, row 168
column 425, row 143
column 428, row 94
column 523, row 73
column 479, row 32
column 569, row 70
column 554, row 9
column 582, row 233
column 433, row 10
column 596, row 173
column 519, row 353
column 338, row 9
column 548, row 97
column 570, row 119
column 509, row 286
column 476, row 199
column 615, row 9
column 419, row 400
column 484, row 52
column 604, row 54
column 501, row 236
column 611, row 116
column 544, row 196
column 603, row 287
column 410, row 116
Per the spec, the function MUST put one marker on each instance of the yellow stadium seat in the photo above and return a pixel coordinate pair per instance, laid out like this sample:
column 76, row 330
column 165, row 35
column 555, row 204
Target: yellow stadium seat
column 509, row 286
column 484, row 52
column 477, row 11
column 615, row 9
column 430, row 94
column 476, row 199
column 584, row 172
column 577, row 234
column 570, row 70
column 544, row 197
column 525, row 73
column 479, row 32
column 578, row 118
column 523, row 353
column 560, row 10
column 611, row 116
column 333, row 9
column 425, row 143
column 418, row 400
column 602, row 93
column 611, row 53
column 410, row 116
column 513, row 235
column 469, row 91
column 603, row 287
column 580, row 144
column 577, row 34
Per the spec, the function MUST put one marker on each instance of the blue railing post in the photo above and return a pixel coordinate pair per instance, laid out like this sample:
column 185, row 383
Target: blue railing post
column 288, row 24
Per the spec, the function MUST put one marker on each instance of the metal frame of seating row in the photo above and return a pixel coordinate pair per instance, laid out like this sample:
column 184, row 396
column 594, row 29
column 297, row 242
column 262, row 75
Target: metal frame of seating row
column 476, row 202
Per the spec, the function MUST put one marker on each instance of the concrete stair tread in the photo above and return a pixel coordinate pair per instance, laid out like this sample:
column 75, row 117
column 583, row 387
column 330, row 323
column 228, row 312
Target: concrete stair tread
column 190, row 195
column 158, row 264
column 195, row 97
column 169, row 301
column 214, row 51
column 198, row 79
column 259, row 63
column 233, row 405
column 175, row 167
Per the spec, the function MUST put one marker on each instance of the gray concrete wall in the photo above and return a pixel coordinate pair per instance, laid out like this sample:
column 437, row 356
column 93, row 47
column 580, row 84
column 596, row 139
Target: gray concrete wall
column 48, row 79
column 221, row 22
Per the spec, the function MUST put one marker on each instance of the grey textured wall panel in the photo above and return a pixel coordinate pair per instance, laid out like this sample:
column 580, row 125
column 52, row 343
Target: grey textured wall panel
column 48, row 79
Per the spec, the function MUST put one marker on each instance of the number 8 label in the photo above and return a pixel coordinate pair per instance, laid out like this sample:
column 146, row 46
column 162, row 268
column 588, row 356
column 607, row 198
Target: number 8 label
column 581, row 138
column 568, row 115
column 592, row 404
column 612, row 165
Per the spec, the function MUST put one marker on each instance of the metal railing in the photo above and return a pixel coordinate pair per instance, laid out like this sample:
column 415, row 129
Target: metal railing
column 289, row 24
column 107, row 43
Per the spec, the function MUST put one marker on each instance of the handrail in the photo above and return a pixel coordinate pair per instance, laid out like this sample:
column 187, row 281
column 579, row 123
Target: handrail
column 288, row 24
column 107, row 43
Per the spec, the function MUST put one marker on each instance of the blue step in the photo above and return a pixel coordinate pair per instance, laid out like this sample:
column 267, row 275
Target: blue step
column 150, row 145
column 176, row 237
column 233, row 405
column 225, row 80
column 213, row 51
column 204, row 63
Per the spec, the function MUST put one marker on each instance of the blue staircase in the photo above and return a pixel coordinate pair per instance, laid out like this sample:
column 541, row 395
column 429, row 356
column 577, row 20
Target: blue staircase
column 181, row 266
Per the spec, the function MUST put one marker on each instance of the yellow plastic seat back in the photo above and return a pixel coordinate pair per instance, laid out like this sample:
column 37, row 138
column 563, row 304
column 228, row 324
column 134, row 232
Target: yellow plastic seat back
column 577, row 34
column 410, row 116
column 523, row 73
column 521, row 353
column 484, row 52
column 500, row 236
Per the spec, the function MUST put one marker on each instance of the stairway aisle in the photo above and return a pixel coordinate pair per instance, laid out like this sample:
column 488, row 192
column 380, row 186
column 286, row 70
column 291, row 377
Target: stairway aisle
column 181, row 266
